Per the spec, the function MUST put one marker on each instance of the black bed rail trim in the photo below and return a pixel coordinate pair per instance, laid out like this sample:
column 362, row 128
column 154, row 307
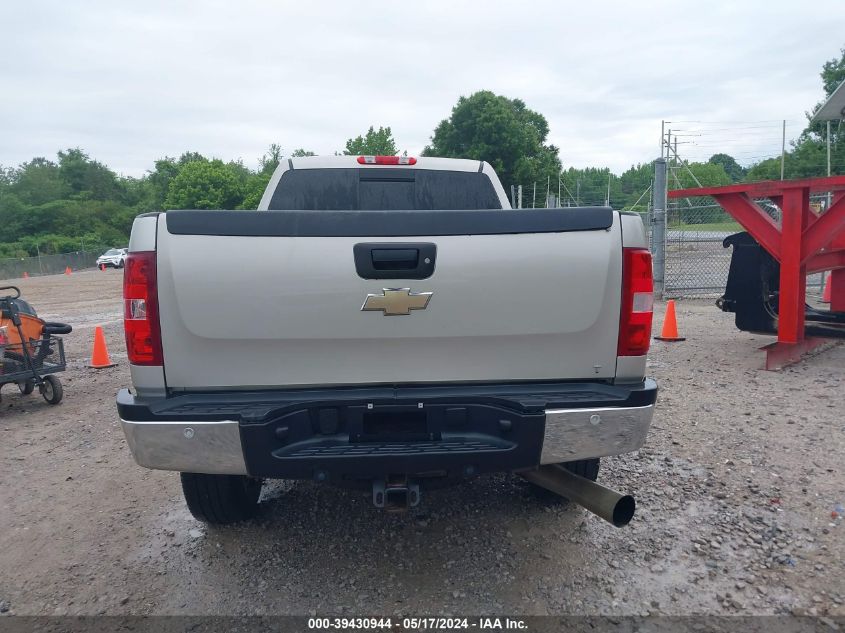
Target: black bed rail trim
column 386, row 223
column 255, row 406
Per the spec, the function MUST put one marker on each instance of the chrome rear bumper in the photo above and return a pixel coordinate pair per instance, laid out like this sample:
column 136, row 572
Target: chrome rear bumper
column 215, row 447
column 194, row 447
column 573, row 434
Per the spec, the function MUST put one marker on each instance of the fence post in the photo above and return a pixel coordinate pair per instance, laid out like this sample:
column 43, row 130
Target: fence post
column 658, row 226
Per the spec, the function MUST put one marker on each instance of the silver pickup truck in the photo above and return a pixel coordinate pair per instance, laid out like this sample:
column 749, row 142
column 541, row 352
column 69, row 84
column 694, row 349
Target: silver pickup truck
column 388, row 322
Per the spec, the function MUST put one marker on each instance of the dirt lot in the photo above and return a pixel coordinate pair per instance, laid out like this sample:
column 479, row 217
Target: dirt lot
column 736, row 485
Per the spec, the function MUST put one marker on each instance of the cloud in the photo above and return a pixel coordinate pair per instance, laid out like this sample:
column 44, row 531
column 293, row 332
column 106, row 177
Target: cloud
column 132, row 83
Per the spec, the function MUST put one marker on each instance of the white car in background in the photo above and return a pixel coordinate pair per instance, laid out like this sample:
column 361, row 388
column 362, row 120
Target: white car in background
column 114, row 258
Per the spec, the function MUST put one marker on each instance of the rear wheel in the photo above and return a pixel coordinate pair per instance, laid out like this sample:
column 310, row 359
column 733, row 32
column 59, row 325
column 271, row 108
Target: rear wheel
column 221, row 499
column 586, row 468
column 27, row 387
column 51, row 390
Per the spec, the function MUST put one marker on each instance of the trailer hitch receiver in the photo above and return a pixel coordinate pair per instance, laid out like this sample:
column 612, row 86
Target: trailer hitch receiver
column 395, row 494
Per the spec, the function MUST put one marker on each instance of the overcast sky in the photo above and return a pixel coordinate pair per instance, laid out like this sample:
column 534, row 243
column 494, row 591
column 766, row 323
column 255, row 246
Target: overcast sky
column 130, row 83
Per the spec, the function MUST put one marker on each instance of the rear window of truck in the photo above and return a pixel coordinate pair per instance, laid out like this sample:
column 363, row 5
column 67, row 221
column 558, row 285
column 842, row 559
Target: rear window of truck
column 382, row 189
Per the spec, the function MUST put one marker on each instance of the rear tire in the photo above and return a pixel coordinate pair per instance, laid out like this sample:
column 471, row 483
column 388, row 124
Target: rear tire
column 51, row 390
column 27, row 387
column 586, row 468
column 221, row 499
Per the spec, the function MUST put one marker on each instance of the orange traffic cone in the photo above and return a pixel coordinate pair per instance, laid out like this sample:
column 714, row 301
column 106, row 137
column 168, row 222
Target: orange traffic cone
column 827, row 290
column 102, row 267
column 100, row 355
column 25, row 275
column 670, row 325
column 67, row 270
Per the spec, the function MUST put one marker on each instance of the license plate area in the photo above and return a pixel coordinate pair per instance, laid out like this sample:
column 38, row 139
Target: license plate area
column 395, row 425
column 372, row 440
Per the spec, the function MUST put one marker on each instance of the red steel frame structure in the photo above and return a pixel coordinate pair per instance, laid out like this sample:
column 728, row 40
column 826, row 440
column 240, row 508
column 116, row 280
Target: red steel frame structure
column 804, row 243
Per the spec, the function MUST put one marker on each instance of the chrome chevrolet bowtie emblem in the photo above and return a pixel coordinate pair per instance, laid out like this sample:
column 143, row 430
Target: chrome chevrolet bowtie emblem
column 395, row 301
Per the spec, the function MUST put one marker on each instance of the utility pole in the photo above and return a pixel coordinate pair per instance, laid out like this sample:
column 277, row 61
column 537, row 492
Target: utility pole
column 658, row 229
column 519, row 197
column 558, row 180
column 578, row 193
column 669, row 148
column 828, row 160
column 783, row 150
column 513, row 197
column 662, row 137
column 607, row 199
column 38, row 250
column 829, row 195
column 684, row 164
column 534, row 200
column 548, row 191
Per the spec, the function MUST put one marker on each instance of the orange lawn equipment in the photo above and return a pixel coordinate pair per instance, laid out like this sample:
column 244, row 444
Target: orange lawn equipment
column 32, row 328
column 30, row 351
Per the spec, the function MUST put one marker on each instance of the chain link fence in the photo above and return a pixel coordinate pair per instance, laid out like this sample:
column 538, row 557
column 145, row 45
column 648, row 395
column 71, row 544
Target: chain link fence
column 14, row 268
column 697, row 264
column 564, row 193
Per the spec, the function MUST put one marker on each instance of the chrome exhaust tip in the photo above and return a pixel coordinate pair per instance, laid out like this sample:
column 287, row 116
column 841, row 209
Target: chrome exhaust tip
column 614, row 507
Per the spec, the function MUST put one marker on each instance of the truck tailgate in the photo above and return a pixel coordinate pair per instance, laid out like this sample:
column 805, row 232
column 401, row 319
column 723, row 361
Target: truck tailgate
column 256, row 307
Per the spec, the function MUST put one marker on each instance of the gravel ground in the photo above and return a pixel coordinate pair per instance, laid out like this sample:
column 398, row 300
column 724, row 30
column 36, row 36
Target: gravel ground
column 736, row 486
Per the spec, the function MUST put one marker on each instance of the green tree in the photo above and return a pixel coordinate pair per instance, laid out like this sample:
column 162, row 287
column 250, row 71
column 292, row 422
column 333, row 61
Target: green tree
column 708, row 174
column 205, row 184
column 254, row 190
column 86, row 178
column 768, row 169
column 256, row 183
column 632, row 189
column 807, row 156
column 729, row 164
column 501, row 131
column 14, row 219
column 270, row 160
column 832, row 75
column 374, row 143
column 38, row 181
column 158, row 182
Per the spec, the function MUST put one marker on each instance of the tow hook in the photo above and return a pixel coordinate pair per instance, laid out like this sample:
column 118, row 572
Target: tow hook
column 395, row 494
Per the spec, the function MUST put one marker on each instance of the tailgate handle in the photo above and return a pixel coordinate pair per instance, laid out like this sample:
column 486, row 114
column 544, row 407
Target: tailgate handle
column 395, row 260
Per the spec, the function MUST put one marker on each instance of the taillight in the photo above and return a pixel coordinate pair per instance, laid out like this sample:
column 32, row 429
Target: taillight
column 387, row 160
column 140, row 309
column 637, row 302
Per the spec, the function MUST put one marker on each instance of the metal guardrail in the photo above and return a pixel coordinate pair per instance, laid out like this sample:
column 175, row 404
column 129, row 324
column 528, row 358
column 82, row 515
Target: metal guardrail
column 14, row 268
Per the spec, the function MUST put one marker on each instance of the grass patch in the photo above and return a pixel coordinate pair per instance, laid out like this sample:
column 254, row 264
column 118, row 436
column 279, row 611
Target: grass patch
column 712, row 226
